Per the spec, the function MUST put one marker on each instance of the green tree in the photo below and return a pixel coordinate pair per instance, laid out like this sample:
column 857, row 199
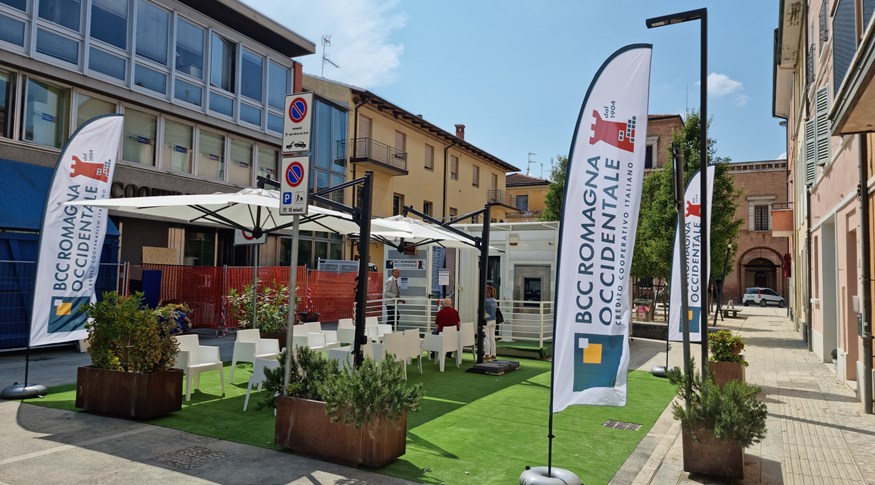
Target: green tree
column 654, row 242
column 553, row 200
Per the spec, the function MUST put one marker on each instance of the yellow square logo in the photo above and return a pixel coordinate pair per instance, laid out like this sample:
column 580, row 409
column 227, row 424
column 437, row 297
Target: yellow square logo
column 64, row 308
column 592, row 354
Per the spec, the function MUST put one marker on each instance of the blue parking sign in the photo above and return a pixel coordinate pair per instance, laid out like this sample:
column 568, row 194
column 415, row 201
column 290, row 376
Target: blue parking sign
column 287, row 197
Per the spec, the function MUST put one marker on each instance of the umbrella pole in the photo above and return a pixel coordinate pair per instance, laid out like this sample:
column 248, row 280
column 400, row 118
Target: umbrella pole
column 255, row 288
column 290, row 321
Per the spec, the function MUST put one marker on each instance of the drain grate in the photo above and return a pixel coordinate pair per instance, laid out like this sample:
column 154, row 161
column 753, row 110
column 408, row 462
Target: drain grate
column 621, row 425
column 188, row 458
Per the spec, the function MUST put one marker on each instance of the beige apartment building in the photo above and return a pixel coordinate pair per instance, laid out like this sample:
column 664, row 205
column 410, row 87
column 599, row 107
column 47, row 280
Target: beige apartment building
column 823, row 83
column 415, row 163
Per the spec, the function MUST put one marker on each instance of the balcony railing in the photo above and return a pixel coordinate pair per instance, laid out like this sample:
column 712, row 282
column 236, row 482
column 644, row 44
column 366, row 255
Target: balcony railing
column 782, row 219
column 369, row 150
column 500, row 197
column 523, row 216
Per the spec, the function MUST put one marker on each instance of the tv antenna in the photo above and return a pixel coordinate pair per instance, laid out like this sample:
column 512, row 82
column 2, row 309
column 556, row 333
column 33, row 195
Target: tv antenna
column 531, row 162
column 326, row 41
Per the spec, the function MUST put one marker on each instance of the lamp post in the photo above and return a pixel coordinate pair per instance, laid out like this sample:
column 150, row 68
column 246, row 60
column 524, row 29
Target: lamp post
column 701, row 15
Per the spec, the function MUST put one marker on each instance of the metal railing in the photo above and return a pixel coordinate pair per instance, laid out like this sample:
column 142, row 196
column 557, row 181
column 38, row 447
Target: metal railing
column 500, row 197
column 368, row 149
column 523, row 216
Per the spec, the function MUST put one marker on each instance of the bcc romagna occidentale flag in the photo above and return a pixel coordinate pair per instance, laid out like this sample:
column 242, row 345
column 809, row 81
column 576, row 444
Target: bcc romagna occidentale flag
column 72, row 236
column 597, row 234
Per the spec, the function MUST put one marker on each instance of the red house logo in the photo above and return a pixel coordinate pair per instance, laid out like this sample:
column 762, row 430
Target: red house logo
column 620, row 135
column 694, row 210
column 96, row 171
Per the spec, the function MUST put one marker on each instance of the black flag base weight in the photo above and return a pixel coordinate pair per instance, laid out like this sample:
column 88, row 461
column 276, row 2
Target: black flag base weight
column 19, row 391
column 495, row 367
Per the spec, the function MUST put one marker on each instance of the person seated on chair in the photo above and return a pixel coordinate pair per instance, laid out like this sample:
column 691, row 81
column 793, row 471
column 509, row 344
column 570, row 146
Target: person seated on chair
column 446, row 317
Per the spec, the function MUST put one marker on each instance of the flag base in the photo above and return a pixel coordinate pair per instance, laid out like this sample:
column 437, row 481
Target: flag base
column 659, row 371
column 557, row 476
column 18, row 391
column 495, row 367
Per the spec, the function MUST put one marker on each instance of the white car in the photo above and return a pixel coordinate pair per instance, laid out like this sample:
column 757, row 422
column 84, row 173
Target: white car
column 762, row 297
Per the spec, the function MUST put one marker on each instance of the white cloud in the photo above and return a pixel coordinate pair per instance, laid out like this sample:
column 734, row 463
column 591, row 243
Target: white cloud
column 722, row 85
column 361, row 36
column 782, row 156
column 741, row 99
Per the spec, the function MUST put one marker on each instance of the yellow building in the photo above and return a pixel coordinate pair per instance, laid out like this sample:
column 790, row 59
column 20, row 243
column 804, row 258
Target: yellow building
column 415, row 163
column 528, row 195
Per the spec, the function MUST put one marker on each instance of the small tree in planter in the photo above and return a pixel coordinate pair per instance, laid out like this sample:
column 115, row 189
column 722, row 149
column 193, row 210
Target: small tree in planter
column 725, row 358
column 718, row 423
column 273, row 309
column 348, row 416
column 132, row 354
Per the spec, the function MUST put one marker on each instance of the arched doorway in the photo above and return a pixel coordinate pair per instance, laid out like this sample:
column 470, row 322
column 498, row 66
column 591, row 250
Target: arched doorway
column 761, row 272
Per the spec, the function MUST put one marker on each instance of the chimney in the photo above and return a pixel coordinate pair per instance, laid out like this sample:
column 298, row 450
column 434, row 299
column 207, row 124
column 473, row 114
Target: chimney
column 460, row 131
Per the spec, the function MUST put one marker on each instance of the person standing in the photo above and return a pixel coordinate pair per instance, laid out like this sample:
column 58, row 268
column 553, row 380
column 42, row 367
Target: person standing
column 489, row 329
column 391, row 293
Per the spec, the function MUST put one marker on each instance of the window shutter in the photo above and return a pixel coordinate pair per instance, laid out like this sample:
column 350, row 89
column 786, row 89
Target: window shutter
column 821, row 103
column 810, row 152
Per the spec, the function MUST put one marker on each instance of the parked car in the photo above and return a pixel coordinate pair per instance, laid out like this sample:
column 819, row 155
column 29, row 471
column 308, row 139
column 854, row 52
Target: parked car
column 762, row 297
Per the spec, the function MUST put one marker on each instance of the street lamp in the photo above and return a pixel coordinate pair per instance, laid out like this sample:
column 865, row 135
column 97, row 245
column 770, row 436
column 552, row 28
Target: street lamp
column 700, row 14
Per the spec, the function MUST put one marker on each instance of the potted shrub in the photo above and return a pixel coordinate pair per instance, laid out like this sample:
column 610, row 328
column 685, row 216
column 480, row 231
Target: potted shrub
column 724, row 355
column 343, row 415
column 718, row 423
column 272, row 309
column 132, row 354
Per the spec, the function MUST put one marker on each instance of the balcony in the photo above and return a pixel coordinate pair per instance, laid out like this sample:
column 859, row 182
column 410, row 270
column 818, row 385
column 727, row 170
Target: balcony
column 782, row 220
column 376, row 156
column 523, row 216
column 500, row 197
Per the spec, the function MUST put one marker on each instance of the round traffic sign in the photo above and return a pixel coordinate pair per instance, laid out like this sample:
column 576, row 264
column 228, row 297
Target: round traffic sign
column 298, row 110
column 247, row 235
column 295, row 174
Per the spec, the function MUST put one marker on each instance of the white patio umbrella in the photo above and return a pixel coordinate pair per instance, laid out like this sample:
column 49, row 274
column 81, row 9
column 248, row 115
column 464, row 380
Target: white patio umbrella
column 417, row 233
column 252, row 210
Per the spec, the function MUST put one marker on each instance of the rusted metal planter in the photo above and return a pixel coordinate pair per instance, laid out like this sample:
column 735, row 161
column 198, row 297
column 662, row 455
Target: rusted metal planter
column 726, row 371
column 129, row 394
column 705, row 454
column 302, row 426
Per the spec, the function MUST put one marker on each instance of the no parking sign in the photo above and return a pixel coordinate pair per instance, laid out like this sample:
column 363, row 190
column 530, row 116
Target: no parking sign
column 294, row 186
column 297, row 122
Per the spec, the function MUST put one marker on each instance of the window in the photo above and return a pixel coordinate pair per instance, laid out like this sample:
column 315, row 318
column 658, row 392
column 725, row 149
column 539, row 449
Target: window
column 88, row 107
column 178, row 139
column 454, row 167
column 277, row 85
column 106, row 63
column 45, row 113
column 250, row 114
column 427, row 207
column 11, row 30
column 189, row 49
column 211, row 159
column 19, row 4
column 150, row 79
column 222, row 63
column 400, row 146
column 109, row 22
column 66, row 13
column 522, row 203
column 152, row 32
column 240, row 168
column 188, row 92
column 138, row 145
column 494, row 181
column 650, row 158
column 475, row 176
column 761, row 218
column 429, row 157
column 58, row 46
column 397, row 204
column 267, row 163
column 7, row 98
column 252, row 75
column 453, row 213
column 362, row 149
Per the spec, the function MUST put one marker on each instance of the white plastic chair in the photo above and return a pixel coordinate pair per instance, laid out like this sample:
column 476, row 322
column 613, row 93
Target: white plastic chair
column 331, row 338
column 383, row 329
column 346, row 336
column 372, row 332
column 371, row 321
column 345, row 323
column 444, row 342
column 249, row 346
column 194, row 358
column 310, row 327
column 258, row 376
column 316, row 341
column 466, row 338
column 413, row 346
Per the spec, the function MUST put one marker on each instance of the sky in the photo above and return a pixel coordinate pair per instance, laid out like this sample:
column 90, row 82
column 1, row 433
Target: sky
column 515, row 72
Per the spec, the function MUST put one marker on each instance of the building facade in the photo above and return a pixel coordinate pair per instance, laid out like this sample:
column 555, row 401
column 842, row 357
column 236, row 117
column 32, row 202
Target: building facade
column 823, row 90
column 528, row 194
column 201, row 87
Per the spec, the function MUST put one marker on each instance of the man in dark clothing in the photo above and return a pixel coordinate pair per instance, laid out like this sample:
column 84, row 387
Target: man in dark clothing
column 447, row 316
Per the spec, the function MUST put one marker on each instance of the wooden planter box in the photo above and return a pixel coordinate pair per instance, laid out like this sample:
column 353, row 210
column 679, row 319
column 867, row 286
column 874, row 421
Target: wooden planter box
column 303, row 427
column 279, row 335
column 129, row 394
column 726, row 371
column 709, row 456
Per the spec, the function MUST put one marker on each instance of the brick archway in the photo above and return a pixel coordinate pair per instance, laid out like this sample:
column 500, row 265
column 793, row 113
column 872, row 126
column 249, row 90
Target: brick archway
column 761, row 266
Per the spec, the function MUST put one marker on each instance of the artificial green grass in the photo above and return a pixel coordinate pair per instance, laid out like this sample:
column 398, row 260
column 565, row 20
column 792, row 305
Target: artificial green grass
column 471, row 428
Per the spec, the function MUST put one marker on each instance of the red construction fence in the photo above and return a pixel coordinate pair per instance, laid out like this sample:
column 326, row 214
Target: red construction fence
column 203, row 289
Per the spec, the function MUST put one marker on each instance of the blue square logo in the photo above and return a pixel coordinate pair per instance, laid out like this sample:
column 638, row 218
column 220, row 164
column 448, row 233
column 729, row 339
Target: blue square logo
column 596, row 360
column 65, row 316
